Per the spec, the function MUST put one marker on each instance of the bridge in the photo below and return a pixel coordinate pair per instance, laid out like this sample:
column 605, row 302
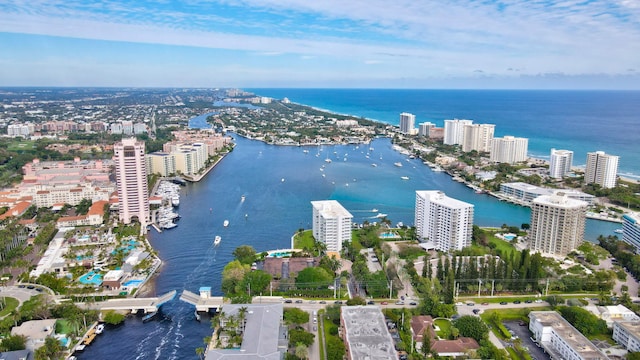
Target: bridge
column 203, row 302
column 148, row 305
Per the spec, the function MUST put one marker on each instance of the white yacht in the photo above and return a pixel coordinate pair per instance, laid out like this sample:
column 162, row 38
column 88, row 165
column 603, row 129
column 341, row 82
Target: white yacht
column 217, row 240
column 225, row 223
column 398, row 164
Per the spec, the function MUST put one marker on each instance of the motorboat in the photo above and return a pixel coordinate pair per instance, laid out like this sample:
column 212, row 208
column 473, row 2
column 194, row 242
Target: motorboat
column 398, row 164
column 217, row 240
column 99, row 328
column 404, row 177
column 225, row 223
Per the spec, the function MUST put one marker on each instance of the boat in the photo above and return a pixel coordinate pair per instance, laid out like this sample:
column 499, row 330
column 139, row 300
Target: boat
column 99, row 329
column 381, row 215
column 168, row 225
column 437, row 169
column 618, row 231
column 374, row 210
column 305, row 151
column 225, row 223
column 327, row 160
column 282, row 180
column 149, row 316
column 217, row 240
column 374, row 165
column 80, row 347
column 404, row 177
column 175, row 200
column 242, row 198
column 398, row 164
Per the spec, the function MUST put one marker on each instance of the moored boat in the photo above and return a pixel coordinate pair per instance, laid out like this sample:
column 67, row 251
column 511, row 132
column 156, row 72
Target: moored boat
column 99, row 329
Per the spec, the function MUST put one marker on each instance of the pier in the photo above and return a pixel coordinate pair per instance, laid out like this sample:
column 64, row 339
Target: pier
column 148, row 305
column 203, row 302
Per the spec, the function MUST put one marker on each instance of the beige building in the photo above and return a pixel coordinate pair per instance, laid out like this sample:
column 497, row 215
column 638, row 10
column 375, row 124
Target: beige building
column 186, row 159
column 477, row 137
column 601, row 169
column 557, row 224
column 509, row 149
column 131, row 181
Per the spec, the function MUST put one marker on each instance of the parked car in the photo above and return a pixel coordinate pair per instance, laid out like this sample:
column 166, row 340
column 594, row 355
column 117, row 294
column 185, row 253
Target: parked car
column 471, row 304
column 528, row 301
column 413, row 303
column 288, row 301
column 485, row 303
column 384, row 303
column 322, row 302
column 503, row 303
column 312, row 302
column 476, row 311
column 517, row 302
column 298, row 301
column 339, row 302
column 399, row 302
column 371, row 302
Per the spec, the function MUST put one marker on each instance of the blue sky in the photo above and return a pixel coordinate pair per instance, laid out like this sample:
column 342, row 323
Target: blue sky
column 325, row 43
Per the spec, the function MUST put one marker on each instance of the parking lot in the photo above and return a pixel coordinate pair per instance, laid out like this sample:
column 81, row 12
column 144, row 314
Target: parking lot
column 523, row 333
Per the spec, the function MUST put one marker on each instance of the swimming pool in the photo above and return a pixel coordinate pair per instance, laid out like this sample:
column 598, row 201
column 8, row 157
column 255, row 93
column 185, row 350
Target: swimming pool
column 132, row 283
column 91, row 278
column 389, row 235
column 509, row 236
column 280, row 254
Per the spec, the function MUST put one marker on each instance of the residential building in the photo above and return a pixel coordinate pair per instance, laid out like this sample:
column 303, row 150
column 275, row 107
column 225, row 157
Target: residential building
column 131, row 181
column 443, row 221
column 524, row 193
column 557, row 224
column 422, row 326
column 331, row 224
column 509, row 149
column 477, row 137
column 407, row 123
column 36, row 331
column 560, row 163
column 17, row 355
column 601, row 169
column 613, row 313
column 561, row 340
column 264, row 335
column 631, row 230
column 365, row 333
column 627, row 334
column 454, row 131
column 161, row 163
column 186, row 159
column 22, row 130
column 425, row 128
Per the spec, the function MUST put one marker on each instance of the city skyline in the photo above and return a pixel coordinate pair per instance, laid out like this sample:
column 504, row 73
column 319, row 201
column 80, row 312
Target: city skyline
column 264, row 43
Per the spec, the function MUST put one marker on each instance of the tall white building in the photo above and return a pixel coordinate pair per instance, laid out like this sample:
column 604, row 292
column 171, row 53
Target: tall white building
column 131, row 181
column 631, row 230
column 444, row 221
column 601, row 169
column 560, row 163
column 407, row 123
column 425, row 128
column 509, row 149
column 477, row 137
column 331, row 224
column 557, row 224
column 627, row 334
column 453, row 131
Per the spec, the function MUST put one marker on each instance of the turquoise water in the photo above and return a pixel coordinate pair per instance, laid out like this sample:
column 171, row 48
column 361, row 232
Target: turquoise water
column 91, row 278
column 388, row 235
column 132, row 283
column 509, row 237
column 280, row 254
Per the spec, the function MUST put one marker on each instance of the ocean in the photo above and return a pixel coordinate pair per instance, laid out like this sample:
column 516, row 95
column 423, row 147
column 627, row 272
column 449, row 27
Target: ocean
column 581, row 121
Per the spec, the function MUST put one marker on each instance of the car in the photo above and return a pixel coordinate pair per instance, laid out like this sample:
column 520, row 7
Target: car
column 384, row 303
column 471, row 304
column 322, row 302
column 528, row 301
column 371, row 302
column 522, row 323
column 538, row 301
column 298, row 301
column 485, row 303
column 315, row 328
column 312, row 302
column 503, row 303
column 339, row 302
column 401, row 297
column 21, row 286
column 399, row 302
column 288, row 301
column 39, row 289
column 476, row 311
column 30, row 287
column 517, row 302
column 459, row 303
column 455, row 316
column 413, row 303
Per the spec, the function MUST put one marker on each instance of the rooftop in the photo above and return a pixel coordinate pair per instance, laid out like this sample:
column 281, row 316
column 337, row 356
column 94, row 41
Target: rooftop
column 366, row 333
column 568, row 333
column 330, row 209
column 439, row 197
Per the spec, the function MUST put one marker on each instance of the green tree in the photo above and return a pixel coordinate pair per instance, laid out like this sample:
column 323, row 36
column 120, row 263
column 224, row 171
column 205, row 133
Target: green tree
column 113, row 318
column 259, row 281
column 356, row 300
column 246, row 254
column 471, row 326
column 233, row 276
column 297, row 336
column 313, row 277
column 301, row 351
column 335, row 348
column 583, row 320
column 14, row 342
column 51, row 350
column 633, row 356
column 295, row 316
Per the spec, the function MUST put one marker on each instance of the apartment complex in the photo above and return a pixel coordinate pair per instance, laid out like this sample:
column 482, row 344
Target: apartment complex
column 561, row 340
column 627, row 334
column 365, row 333
column 425, row 128
column 509, row 149
column 631, row 230
column 601, row 169
column 454, row 131
column 560, row 163
column 477, row 137
column 131, row 181
column 331, row 224
column 407, row 123
column 557, row 224
column 443, row 221
column 524, row 193
column 186, row 159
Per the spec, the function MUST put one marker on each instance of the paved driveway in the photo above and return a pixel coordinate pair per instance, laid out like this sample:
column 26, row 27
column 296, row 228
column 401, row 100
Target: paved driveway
column 525, row 335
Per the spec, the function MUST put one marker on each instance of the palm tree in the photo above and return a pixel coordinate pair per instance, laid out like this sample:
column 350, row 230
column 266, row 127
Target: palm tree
column 242, row 317
column 200, row 352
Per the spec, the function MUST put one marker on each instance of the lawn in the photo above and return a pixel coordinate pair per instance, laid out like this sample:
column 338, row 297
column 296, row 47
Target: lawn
column 445, row 328
column 304, row 240
column 9, row 304
column 21, row 146
column 504, row 247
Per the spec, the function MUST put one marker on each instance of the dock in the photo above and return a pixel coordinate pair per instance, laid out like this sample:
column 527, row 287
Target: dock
column 203, row 302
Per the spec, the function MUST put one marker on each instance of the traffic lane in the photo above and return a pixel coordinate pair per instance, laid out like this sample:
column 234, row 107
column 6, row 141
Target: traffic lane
column 466, row 309
column 525, row 335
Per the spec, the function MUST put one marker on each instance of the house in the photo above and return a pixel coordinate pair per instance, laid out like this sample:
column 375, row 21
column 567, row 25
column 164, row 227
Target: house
column 36, row 331
column 16, row 355
column 610, row 314
column 458, row 347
